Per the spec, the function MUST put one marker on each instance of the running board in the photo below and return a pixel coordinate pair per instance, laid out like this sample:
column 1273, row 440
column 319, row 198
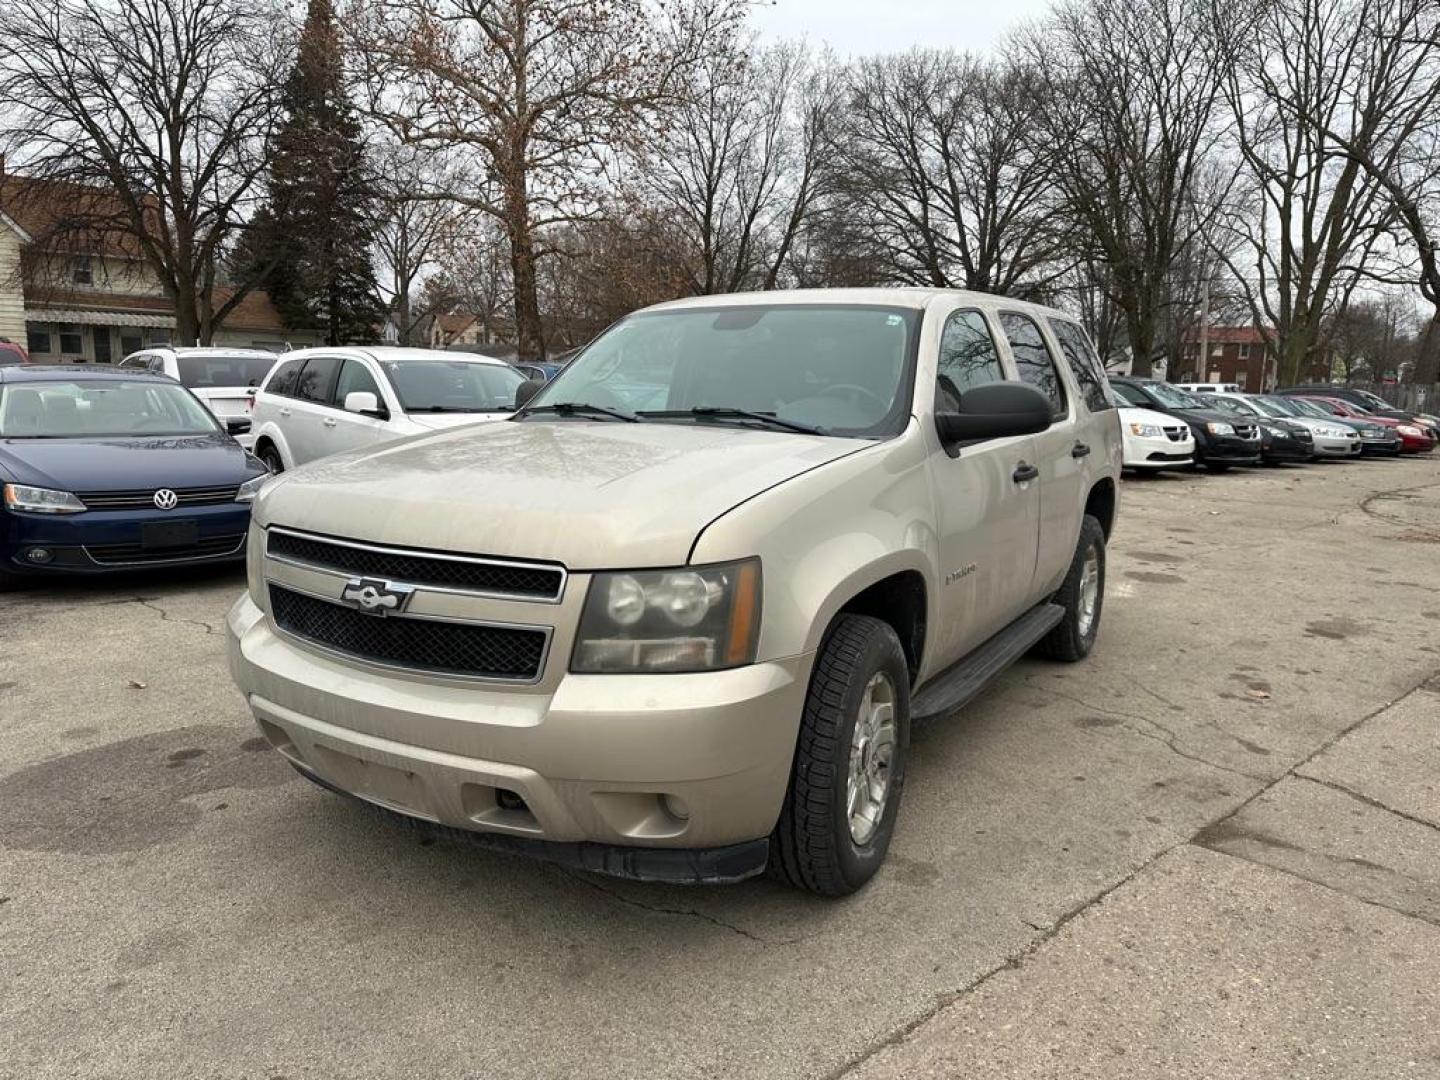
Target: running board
column 954, row 687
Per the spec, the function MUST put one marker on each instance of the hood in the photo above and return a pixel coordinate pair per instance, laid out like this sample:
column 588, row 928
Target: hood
column 1212, row 416
column 591, row 495
column 445, row 421
column 119, row 463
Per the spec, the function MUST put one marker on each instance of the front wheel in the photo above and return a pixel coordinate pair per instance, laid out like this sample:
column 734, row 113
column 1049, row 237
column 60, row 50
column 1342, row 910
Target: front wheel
column 1082, row 595
column 270, row 457
column 844, row 793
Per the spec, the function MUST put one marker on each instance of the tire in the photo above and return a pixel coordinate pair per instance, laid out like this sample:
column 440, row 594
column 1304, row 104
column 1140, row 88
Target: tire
column 1217, row 467
column 814, row 846
column 271, row 458
column 1074, row 637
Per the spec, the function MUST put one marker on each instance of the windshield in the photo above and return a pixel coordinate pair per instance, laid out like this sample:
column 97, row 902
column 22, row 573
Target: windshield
column 442, row 386
column 208, row 370
column 1276, row 406
column 98, row 408
column 846, row 369
column 1374, row 401
column 1175, row 399
column 1231, row 405
column 1308, row 408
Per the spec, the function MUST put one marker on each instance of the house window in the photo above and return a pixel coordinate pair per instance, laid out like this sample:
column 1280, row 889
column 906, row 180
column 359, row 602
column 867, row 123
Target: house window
column 71, row 340
column 131, row 343
column 1218, row 349
column 1245, row 352
column 160, row 337
column 37, row 341
column 80, row 272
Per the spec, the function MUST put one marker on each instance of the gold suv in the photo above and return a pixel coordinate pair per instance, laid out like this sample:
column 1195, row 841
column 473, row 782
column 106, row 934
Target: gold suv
column 674, row 618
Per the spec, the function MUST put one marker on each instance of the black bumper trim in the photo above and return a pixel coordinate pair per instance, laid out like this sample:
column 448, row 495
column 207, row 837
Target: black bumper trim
column 670, row 866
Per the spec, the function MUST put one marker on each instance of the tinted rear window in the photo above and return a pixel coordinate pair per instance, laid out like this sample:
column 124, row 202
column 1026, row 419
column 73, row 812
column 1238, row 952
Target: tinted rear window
column 203, row 372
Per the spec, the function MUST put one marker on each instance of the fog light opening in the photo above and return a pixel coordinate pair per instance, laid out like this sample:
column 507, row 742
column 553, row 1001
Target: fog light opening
column 39, row 555
column 506, row 799
column 676, row 807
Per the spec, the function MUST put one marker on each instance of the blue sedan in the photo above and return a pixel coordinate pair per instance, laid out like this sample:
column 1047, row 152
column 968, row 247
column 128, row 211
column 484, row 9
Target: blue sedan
column 107, row 469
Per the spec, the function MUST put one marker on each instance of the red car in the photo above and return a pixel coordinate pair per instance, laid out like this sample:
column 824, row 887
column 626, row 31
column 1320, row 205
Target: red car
column 1414, row 439
column 11, row 353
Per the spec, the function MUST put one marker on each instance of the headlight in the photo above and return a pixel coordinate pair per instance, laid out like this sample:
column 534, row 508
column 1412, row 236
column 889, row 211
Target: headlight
column 250, row 488
column 1277, row 432
column 38, row 500
column 1409, row 429
column 700, row 618
column 1147, row 431
column 1220, row 429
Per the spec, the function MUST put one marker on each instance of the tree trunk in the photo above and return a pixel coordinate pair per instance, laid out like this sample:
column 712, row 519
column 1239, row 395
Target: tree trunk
column 529, row 334
column 1141, row 327
column 1427, row 357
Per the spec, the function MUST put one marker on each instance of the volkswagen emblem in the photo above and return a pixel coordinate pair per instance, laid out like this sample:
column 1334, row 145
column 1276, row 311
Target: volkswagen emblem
column 376, row 597
column 165, row 499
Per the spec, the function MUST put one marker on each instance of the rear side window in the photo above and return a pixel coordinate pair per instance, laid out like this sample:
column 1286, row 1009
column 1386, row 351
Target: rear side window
column 1032, row 358
column 1084, row 364
column 318, row 379
column 967, row 358
column 285, row 377
column 355, row 377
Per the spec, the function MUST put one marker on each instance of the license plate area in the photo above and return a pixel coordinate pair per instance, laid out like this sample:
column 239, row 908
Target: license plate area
column 159, row 535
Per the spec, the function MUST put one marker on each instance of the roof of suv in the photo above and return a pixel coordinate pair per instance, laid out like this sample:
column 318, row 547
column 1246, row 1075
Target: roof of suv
column 65, row 372
column 205, row 350
column 905, row 297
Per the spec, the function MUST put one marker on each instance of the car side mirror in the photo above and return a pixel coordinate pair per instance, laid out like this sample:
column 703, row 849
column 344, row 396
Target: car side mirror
column 365, row 403
column 994, row 410
column 237, row 425
column 527, row 390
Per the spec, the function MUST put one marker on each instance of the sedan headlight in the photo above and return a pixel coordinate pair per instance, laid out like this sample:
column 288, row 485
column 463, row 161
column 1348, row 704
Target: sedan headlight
column 700, row 618
column 1276, row 432
column 1216, row 428
column 1409, row 429
column 250, row 488
column 38, row 500
column 1147, row 431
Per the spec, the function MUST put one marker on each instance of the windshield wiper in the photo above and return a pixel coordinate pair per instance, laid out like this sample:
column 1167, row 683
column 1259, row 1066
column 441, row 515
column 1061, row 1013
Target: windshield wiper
column 445, row 408
column 579, row 408
column 716, row 412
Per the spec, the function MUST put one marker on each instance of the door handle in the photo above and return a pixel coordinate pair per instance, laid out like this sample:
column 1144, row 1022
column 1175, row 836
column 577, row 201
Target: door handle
column 1024, row 472
column 1079, row 450
column 328, row 421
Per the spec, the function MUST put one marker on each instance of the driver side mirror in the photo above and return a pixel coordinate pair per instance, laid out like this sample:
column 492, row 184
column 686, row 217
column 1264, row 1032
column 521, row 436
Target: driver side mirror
column 527, row 390
column 366, row 404
column 992, row 411
column 237, row 425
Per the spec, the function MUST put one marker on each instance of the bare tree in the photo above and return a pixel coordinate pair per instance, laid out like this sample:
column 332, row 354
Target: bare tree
column 942, row 175
column 414, row 231
column 1387, row 122
column 152, row 117
column 540, row 95
column 741, row 168
column 1313, row 77
column 1130, row 89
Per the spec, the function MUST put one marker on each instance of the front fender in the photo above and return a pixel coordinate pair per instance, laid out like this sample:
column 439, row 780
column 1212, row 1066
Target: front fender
column 271, row 432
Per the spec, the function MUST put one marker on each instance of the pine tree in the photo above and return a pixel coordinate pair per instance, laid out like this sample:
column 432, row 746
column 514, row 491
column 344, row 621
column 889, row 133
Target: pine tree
column 316, row 234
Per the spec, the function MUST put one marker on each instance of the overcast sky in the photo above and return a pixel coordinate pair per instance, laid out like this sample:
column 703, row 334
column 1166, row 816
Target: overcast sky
column 866, row 26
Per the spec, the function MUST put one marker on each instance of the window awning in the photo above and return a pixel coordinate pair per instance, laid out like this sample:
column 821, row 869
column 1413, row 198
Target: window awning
column 151, row 320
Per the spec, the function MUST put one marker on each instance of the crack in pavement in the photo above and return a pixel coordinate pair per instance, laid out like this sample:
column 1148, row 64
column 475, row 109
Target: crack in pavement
column 685, row 912
column 165, row 616
column 1169, row 739
column 1367, row 800
column 1396, row 494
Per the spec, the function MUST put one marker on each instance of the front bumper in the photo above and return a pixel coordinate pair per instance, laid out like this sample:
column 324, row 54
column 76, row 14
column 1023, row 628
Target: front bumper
column 689, row 763
column 109, row 541
column 1228, row 449
column 1337, row 447
column 1157, row 452
column 1276, row 448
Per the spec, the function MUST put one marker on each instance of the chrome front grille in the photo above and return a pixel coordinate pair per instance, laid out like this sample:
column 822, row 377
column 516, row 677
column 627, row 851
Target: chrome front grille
column 144, row 498
column 411, row 643
column 1177, row 434
column 1246, row 431
column 208, row 547
column 502, row 578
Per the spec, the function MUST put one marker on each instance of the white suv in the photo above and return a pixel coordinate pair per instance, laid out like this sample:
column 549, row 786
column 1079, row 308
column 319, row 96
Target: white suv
column 326, row 401
column 223, row 379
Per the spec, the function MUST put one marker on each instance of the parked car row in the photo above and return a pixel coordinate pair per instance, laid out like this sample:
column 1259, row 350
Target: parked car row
column 1165, row 426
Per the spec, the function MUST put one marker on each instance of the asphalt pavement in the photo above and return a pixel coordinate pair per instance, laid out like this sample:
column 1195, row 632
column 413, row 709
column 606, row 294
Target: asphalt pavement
column 1211, row 850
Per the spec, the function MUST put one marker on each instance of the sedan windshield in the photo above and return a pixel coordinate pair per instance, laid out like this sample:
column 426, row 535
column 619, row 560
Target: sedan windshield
column 99, row 408
column 1231, row 405
column 1274, row 406
column 832, row 369
column 209, row 370
column 1176, row 399
column 1309, row 408
column 446, row 386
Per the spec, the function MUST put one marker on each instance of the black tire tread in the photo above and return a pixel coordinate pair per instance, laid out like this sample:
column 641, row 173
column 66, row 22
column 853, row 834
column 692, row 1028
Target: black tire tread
column 803, row 844
column 1063, row 643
